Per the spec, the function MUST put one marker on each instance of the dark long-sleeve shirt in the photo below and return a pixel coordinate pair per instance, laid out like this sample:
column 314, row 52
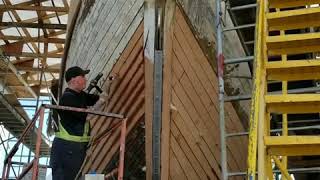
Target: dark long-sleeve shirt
column 73, row 122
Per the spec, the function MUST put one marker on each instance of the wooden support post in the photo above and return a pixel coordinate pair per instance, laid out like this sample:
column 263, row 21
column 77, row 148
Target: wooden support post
column 149, row 42
column 158, row 36
column 167, row 90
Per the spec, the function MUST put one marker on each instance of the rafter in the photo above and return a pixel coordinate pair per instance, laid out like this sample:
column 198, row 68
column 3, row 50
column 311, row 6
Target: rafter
column 35, row 55
column 27, row 3
column 34, row 25
column 65, row 3
column 16, row 16
column 27, row 39
column 33, row 8
column 38, row 82
column 46, row 17
column 32, row 69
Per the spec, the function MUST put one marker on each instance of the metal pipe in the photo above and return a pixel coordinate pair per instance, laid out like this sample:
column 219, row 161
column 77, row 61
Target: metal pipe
column 237, row 77
column 122, row 148
column 26, row 170
column 8, row 169
column 220, row 60
column 239, row 60
column 24, row 133
column 293, row 170
column 239, row 27
column 35, row 171
column 299, row 90
column 248, row 6
column 238, row 98
column 67, row 108
column 277, row 130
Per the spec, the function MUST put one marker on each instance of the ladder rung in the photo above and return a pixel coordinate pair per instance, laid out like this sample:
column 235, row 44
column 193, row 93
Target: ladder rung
column 293, row 70
column 291, row 3
column 247, row 6
column 237, row 174
column 249, row 42
column 293, row 145
column 294, row 19
column 240, row 27
column 292, row 170
column 276, row 130
column 293, row 44
column 239, row 60
column 293, row 103
column 237, row 98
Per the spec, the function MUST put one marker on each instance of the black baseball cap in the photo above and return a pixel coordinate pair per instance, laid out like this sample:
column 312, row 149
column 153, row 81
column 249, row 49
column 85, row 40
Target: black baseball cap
column 74, row 72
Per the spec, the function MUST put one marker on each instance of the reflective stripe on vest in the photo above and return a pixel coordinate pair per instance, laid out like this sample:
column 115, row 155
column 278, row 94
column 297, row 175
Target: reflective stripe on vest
column 63, row 134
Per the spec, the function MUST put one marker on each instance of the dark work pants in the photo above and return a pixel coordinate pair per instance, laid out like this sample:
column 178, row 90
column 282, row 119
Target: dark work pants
column 66, row 158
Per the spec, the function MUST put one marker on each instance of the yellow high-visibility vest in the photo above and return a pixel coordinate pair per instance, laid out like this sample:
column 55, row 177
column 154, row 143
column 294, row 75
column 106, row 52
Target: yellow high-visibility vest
column 63, row 134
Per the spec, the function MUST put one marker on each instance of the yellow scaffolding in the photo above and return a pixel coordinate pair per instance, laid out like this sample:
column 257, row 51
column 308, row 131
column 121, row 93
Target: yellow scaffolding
column 265, row 150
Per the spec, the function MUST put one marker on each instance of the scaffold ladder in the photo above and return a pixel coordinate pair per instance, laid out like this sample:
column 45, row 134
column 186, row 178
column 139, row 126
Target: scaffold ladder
column 283, row 32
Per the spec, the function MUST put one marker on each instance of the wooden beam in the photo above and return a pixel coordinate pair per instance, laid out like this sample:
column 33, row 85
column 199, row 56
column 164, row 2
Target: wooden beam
column 149, row 42
column 17, row 17
column 38, row 82
column 33, row 39
column 33, row 25
column 65, row 3
column 46, row 17
column 35, row 55
column 33, row 8
column 27, row 3
column 21, row 79
column 32, row 69
column 169, row 7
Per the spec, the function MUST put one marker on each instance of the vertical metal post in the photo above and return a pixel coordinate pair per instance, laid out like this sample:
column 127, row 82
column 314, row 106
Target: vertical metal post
column 8, row 168
column 157, row 89
column 38, row 145
column 4, row 170
column 220, row 58
column 122, row 148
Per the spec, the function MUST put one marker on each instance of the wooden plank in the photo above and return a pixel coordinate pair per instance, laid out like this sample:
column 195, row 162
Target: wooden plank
column 86, row 31
column 184, row 162
column 109, row 145
column 149, row 50
column 33, row 25
column 122, row 43
column 33, row 8
column 194, row 60
column 201, row 100
column 192, row 42
column 167, row 76
column 198, row 139
column 208, row 132
column 133, row 104
column 121, row 100
column 200, row 164
column 122, row 95
column 119, row 36
column 26, row 39
column 176, row 172
column 34, row 55
column 177, row 69
column 129, row 78
column 113, row 141
column 101, row 41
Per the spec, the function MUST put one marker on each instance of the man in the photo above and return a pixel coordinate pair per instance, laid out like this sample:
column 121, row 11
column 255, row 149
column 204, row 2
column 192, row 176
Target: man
column 70, row 142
